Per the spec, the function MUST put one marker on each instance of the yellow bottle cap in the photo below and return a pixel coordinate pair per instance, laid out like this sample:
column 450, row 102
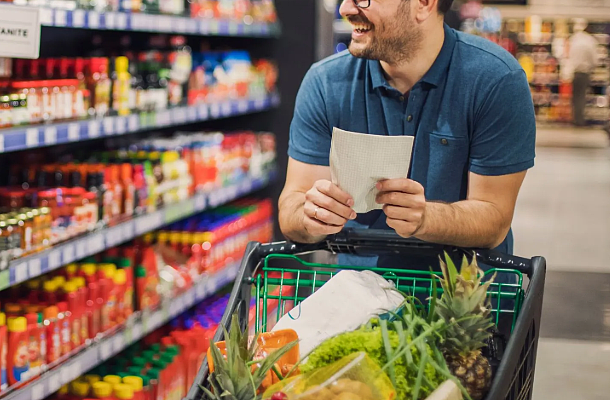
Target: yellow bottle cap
column 92, row 378
column 49, row 286
column 108, row 270
column 59, row 281
column 174, row 237
column 121, row 64
column 80, row 282
column 33, row 284
column 80, row 389
column 120, row 277
column 163, row 237
column 63, row 390
column 123, row 392
column 2, row 319
column 102, row 389
column 88, row 269
column 136, row 382
column 71, row 269
column 112, row 379
column 70, row 287
column 17, row 324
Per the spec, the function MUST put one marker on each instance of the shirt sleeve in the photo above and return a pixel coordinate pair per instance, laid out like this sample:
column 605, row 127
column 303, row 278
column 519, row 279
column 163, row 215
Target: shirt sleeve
column 310, row 132
column 504, row 137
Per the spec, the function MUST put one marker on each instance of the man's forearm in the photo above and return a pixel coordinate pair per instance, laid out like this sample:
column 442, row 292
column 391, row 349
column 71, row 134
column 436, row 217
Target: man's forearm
column 468, row 223
column 291, row 216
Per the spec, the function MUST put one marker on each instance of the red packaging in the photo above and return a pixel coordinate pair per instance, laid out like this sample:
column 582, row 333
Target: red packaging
column 86, row 313
column 51, row 323
column 74, row 314
column 3, row 352
column 64, row 327
column 17, row 350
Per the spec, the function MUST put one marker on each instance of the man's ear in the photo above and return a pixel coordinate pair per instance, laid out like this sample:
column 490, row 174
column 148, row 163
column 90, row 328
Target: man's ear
column 425, row 9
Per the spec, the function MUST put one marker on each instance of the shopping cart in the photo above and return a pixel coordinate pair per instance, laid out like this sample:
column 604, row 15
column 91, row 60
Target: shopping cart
column 516, row 306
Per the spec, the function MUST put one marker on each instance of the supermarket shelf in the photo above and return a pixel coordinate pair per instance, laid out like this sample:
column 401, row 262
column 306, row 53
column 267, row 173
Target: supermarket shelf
column 21, row 138
column 124, row 21
column 35, row 265
column 137, row 327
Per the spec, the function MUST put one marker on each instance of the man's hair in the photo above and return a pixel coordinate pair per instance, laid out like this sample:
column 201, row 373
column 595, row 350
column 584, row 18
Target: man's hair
column 444, row 6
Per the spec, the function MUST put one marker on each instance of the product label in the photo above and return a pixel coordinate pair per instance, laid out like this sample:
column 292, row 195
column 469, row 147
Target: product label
column 84, row 328
column 75, row 332
column 28, row 239
column 95, row 321
column 43, row 347
column 55, row 350
column 3, row 378
column 20, row 360
column 65, row 336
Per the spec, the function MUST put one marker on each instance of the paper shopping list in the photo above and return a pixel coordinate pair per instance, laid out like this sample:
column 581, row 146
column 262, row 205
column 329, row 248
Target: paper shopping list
column 358, row 161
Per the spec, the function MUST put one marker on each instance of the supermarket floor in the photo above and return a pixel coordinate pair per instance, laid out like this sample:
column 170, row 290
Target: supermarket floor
column 563, row 213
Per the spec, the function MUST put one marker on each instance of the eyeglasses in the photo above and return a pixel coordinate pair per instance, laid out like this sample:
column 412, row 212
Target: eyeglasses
column 362, row 3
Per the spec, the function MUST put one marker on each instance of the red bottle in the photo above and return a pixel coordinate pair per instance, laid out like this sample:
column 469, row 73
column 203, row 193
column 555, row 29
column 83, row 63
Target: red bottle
column 73, row 313
column 34, row 345
column 17, row 351
column 85, row 312
column 64, row 327
column 52, row 327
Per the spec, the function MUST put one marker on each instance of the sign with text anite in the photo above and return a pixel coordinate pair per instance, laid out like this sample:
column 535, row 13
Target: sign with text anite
column 19, row 31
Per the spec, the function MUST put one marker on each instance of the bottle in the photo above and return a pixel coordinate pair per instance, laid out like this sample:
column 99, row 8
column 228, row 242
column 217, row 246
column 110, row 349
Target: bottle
column 34, row 345
column 123, row 392
column 109, row 294
column 112, row 379
column 153, row 376
column 86, row 311
column 125, row 264
column 64, row 328
column 17, row 351
column 121, row 86
column 99, row 85
column 129, row 190
column 80, row 389
column 102, row 391
column 73, row 313
column 137, row 385
column 49, row 295
column 51, row 324
column 120, row 280
column 3, row 352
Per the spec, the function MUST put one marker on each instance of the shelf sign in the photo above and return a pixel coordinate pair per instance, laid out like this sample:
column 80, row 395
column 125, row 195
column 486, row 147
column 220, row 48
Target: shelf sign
column 19, row 31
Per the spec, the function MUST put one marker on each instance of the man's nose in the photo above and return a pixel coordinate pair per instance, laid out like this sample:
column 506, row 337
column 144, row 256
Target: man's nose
column 348, row 8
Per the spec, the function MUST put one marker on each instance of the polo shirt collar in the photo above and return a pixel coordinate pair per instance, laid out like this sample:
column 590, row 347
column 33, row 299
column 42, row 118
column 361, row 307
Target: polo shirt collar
column 435, row 74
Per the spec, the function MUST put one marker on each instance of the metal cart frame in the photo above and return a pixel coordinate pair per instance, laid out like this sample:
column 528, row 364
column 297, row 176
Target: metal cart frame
column 514, row 377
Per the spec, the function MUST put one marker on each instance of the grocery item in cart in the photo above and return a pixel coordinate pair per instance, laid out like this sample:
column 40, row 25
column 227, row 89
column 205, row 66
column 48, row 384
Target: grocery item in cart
column 346, row 302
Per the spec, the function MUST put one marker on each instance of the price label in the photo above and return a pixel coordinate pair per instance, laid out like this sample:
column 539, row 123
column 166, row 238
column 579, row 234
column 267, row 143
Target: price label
column 191, row 114
column 73, row 132
column 105, row 350
column 50, row 135
column 93, row 19
column 165, row 24
column 108, row 126
column 246, row 186
column 127, row 231
column 145, row 321
column 155, row 320
column 163, row 118
column 61, row 17
column 68, row 254
column 133, row 123
column 76, row 370
column 54, row 384
column 136, row 331
column 78, row 18
column 232, row 28
column 202, row 112
column 180, row 115
column 181, row 25
column 242, row 106
column 137, row 22
column 113, row 237
column 37, row 391
column 54, row 260
column 110, row 20
column 64, row 374
column 259, row 104
column 200, row 202
column 192, row 25
column 121, row 125
column 189, row 298
column 31, row 137
column 200, row 290
column 118, row 342
column 81, row 249
column 46, row 16
column 215, row 110
column 121, row 21
column 21, row 273
column 214, row 26
column 95, row 243
column 93, row 130
column 204, row 27
column 34, row 267
column 226, row 109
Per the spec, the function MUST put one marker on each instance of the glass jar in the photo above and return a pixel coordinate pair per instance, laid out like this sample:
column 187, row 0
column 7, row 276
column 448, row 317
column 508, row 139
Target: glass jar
column 16, row 232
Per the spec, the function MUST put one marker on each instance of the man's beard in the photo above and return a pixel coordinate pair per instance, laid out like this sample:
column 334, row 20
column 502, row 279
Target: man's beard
column 392, row 42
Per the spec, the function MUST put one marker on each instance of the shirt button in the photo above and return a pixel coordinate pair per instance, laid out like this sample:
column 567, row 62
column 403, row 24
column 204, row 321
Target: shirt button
column 444, row 142
column 402, row 98
column 409, row 118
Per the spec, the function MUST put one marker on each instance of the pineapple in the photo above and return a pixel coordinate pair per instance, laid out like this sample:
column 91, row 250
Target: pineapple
column 465, row 309
column 237, row 376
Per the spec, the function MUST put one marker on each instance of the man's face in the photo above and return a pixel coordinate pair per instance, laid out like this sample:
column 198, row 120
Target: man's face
column 384, row 31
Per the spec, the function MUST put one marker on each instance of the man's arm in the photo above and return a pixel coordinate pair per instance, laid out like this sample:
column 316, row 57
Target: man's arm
column 310, row 206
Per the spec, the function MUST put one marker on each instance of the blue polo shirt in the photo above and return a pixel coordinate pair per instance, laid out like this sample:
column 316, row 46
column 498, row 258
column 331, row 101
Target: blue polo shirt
column 471, row 112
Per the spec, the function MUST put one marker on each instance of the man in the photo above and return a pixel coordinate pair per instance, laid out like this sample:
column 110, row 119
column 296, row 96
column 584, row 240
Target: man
column 466, row 101
column 583, row 60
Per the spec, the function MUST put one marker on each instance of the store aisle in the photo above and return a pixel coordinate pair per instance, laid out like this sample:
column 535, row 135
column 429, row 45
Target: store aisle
column 563, row 214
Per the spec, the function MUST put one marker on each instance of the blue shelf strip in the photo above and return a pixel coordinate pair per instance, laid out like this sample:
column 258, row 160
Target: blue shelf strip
column 125, row 21
column 135, row 328
column 35, row 265
column 22, row 138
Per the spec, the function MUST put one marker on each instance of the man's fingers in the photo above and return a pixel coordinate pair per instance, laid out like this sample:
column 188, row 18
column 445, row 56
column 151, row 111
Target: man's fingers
column 323, row 215
column 323, row 201
column 332, row 190
column 400, row 185
column 317, row 228
column 403, row 214
column 399, row 199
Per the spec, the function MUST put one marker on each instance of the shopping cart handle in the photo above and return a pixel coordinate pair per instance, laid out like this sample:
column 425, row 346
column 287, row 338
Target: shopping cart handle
column 367, row 242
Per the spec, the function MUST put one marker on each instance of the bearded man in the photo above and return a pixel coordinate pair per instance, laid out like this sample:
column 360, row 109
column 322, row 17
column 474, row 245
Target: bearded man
column 465, row 100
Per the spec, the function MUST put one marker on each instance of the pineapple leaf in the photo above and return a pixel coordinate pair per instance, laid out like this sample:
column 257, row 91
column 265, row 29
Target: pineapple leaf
column 420, row 373
column 388, row 349
column 433, row 299
column 269, row 361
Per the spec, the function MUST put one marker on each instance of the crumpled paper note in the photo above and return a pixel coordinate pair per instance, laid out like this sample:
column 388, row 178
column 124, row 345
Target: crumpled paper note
column 358, row 161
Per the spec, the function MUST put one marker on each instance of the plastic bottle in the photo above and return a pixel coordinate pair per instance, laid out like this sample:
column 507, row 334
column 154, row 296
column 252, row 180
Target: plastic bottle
column 51, row 324
column 49, row 295
column 123, row 392
column 102, row 391
column 93, row 309
column 112, row 379
column 129, row 190
column 3, row 352
column 155, row 389
column 110, row 303
column 128, row 299
column 34, row 347
column 17, row 352
column 64, row 328
column 74, row 314
column 85, row 310
column 120, row 283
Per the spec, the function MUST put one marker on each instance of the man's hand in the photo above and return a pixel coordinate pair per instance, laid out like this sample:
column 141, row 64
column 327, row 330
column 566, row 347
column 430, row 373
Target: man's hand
column 327, row 209
column 404, row 204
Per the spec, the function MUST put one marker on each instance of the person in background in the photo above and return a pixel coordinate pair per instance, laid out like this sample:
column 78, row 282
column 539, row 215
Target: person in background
column 582, row 60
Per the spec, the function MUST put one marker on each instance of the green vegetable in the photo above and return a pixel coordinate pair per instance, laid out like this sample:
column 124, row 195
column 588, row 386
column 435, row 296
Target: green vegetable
column 370, row 340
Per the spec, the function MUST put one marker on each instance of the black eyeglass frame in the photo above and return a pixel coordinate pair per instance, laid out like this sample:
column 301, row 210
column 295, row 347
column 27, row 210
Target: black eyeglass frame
column 367, row 2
